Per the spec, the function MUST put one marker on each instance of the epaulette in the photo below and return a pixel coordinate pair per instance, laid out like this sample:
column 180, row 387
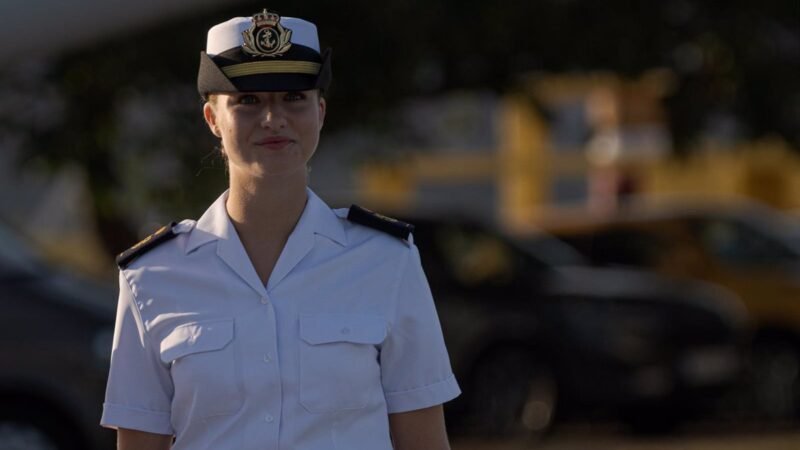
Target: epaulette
column 380, row 222
column 163, row 234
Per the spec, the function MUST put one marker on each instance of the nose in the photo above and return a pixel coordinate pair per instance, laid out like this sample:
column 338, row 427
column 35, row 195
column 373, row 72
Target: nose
column 273, row 117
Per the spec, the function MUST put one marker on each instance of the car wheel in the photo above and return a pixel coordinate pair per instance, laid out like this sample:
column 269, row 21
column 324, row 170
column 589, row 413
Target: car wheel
column 15, row 435
column 776, row 380
column 513, row 395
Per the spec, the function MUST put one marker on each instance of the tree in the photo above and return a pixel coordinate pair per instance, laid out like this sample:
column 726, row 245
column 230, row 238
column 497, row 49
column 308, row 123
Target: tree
column 738, row 67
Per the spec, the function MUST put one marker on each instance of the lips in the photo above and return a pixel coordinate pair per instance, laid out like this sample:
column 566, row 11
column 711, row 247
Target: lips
column 274, row 143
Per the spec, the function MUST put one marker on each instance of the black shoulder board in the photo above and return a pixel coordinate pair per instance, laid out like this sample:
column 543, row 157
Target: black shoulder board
column 380, row 222
column 163, row 234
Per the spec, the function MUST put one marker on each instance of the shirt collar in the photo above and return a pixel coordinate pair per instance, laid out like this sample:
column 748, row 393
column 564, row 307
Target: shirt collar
column 322, row 220
column 317, row 217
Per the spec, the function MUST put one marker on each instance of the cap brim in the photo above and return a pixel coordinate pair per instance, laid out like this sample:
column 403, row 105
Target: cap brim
column 210, row 78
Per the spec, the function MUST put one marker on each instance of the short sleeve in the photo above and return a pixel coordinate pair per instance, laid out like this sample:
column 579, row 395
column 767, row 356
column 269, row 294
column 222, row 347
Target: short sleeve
column 139, row 389
column 415, row 366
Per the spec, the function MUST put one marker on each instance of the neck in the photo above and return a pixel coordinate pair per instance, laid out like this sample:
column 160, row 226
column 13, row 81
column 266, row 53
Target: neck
column 266, row 210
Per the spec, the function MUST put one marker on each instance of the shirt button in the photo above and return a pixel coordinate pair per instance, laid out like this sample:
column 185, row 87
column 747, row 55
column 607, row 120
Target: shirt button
column 269, row 418
column 346, row 330
column 267, row 358
column 264, row 300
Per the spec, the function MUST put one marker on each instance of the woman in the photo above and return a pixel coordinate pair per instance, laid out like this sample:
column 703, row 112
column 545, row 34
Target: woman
column 274, row 322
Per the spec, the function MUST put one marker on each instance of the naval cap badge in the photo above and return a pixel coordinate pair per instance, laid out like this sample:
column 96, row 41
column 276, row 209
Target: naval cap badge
column 266, row 36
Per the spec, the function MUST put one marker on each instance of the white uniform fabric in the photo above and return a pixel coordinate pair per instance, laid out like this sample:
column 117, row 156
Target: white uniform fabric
column 344, row 333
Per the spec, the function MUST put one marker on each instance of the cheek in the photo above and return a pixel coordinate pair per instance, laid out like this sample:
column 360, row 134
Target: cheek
column 312, row 126
column 229, row 130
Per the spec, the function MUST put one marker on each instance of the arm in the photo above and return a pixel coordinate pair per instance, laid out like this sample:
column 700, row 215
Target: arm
column 422, row 429
column 415, row 367
column 139, row 389
column 140, row 440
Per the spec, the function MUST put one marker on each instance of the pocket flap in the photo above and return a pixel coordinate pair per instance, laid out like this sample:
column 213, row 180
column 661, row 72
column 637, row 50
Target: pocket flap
column 196, row 337
column 356, row 328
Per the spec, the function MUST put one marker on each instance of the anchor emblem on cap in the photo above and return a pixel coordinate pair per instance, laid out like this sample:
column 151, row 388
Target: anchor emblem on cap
column 266, row 36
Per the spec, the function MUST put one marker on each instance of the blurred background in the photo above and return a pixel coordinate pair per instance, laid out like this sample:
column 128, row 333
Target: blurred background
column 607, row 191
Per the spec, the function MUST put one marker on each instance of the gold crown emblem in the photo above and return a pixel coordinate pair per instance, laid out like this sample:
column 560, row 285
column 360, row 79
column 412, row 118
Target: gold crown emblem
column 266, row 36
column 266, row 19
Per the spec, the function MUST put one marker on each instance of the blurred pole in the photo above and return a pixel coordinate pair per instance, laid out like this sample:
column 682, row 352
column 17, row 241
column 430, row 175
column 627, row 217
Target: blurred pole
column 523, row 174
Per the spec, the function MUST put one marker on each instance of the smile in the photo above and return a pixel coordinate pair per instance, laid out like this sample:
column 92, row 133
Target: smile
column 274, row 143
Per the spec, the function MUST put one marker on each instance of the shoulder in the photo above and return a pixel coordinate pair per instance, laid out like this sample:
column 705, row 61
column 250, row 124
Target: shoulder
column 162, row 239
column 364, row 220
column 379, row 245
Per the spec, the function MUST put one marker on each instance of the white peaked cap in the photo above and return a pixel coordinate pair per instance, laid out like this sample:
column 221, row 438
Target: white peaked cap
column 265, row 52
column 228, row 35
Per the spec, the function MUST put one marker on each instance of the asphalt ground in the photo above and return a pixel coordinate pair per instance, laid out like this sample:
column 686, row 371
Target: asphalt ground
column 600, row 437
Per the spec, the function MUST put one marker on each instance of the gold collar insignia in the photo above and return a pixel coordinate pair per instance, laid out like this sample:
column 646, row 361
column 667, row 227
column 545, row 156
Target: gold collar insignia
column 266, row 36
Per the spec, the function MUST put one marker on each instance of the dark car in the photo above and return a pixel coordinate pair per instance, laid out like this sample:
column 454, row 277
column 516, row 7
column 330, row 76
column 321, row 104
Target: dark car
column 529, row 337
column 55, row 339
column 751, row 249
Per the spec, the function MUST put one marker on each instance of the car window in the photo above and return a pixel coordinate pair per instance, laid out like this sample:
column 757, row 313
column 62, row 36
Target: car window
column 740, row 244
column 621, row 247
column 475, row 258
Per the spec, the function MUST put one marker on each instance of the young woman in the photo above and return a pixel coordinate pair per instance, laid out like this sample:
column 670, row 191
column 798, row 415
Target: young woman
column 273, row 321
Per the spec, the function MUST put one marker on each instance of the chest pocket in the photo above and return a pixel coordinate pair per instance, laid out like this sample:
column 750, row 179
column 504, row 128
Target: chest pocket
column 204, row 367
column 339, row 367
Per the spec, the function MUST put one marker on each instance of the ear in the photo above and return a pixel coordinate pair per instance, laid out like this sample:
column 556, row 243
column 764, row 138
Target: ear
column 322, row 108
column 211, row 118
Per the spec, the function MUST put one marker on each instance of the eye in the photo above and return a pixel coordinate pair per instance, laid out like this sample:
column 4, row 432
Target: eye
column 294, row 96
column 247, row 99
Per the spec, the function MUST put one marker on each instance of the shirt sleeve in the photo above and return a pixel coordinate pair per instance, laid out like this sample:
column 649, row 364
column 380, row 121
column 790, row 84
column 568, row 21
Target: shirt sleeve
column 415, row 366
column 139, row 389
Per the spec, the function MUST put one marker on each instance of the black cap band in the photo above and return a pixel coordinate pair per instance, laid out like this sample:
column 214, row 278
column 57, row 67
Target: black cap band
column 300, row 68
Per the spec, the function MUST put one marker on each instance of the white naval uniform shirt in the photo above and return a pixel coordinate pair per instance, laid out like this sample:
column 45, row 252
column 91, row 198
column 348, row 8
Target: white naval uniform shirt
column 344, row 333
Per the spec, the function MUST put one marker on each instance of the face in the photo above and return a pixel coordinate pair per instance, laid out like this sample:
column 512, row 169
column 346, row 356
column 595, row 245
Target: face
column 267, row 133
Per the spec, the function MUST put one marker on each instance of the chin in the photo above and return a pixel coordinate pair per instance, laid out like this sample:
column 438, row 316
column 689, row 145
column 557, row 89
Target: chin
column 273, row 172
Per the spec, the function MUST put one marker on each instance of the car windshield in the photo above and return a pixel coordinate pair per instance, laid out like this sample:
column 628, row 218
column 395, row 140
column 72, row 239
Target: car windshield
column 16, row 256
column 787, row 228
column 19, row 258
column 551, row 251
column 778, row 234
